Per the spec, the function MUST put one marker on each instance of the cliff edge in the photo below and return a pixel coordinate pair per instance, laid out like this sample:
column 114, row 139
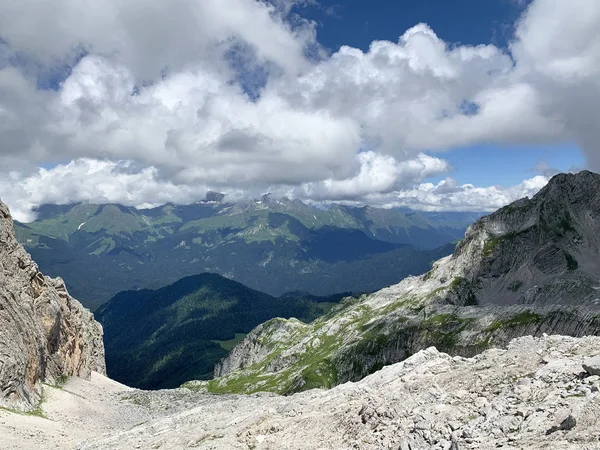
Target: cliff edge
column 45, row 333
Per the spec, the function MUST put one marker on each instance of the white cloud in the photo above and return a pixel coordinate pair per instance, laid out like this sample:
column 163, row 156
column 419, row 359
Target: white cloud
column 95, row 181
column 162, row 88
column 150, row 36
column 376, row 183
column 124, row 182
column 448, row 195
column 377, row 174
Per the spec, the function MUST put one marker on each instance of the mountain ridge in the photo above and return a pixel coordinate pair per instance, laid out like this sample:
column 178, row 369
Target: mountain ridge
column 104, row 249
column 162, row 338
column 459, row 306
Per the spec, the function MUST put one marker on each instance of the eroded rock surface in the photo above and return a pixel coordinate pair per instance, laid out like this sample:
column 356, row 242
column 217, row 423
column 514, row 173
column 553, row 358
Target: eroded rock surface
column 530, row 268
column 532, row 395
column 44, row 332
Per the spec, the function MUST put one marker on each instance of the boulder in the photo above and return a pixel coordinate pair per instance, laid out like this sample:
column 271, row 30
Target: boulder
column 592, row 365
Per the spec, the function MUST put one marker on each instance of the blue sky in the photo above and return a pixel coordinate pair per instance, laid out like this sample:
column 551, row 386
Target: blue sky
column 359, row 22
column 509, row 165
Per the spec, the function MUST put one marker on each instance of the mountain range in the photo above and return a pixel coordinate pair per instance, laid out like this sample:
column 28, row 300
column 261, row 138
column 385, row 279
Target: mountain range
column 533, row 267
column 530, row 269
column 275, row 246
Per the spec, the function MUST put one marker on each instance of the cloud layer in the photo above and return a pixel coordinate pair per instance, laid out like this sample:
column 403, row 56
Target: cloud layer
column 136, row 103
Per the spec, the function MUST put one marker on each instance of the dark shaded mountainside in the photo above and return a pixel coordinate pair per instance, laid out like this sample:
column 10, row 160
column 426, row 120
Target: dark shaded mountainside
column 161, row 338
column 274, row 246
column 530, row 268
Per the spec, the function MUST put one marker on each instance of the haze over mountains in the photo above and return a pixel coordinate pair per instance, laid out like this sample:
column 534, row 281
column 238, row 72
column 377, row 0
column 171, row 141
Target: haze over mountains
column 530, row 268
column 275, row 246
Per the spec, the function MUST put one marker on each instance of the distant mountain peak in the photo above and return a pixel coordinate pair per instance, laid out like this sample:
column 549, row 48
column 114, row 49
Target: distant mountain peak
column 530, row 268
column 542, row 250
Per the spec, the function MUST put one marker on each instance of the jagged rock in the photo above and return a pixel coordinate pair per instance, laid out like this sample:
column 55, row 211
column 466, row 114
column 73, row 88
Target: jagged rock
column 44, row 332
column 408, row 405
column 252, row 350
column 564, row 421
column 215, row 197
column 592, row 365
column 531, row 268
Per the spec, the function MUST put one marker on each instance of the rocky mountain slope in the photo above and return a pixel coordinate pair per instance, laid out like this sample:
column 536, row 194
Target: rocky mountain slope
column 271, row 245
column 534, row 395
column 45, row 333
column 531, row 267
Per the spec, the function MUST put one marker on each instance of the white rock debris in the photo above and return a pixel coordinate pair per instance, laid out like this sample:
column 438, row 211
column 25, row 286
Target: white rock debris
column 533, row 395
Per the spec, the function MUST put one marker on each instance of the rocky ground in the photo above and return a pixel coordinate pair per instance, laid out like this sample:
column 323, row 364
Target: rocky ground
column 534, row 395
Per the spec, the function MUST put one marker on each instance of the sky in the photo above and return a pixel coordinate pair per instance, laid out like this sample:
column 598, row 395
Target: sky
column 435, row 105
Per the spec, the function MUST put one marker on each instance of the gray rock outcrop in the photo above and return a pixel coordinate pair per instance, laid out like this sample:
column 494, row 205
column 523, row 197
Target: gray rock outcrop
column 592, row 366
column 44, row 332
column 532, row 395
column 530, row 268
column 544, row 250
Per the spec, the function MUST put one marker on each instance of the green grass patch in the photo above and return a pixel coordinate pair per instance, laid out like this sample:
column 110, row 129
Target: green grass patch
column 61, row 380
column 457, row 282
column 313, row 369
column 37, row 411
column 326, row 306
column 525, row 318
column 231, row 343
column 490, row 245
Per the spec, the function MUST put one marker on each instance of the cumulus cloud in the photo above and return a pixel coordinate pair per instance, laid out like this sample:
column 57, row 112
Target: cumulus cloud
column 125, row 182
column 447, row 195
column 222, row 95
column 375, row 183
column 377, row 174
column 151, row 37
column 94, row 181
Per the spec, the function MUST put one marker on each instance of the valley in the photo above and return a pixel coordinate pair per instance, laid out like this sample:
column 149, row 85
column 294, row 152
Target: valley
column 299, row 225
column 162, row 338
column 530, row 268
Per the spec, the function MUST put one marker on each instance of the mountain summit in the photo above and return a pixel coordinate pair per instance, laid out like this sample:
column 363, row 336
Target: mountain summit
column 544, row 250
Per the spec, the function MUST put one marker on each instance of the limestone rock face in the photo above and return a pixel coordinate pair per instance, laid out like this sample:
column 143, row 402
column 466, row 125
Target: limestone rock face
column 530, row 268
column 252, row 350
column 544, row 250
column 44, row 332
column 592, row 365
column 532, row 395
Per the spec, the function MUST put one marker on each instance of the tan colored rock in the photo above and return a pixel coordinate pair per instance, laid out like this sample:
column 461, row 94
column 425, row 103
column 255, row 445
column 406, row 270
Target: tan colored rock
column 44, row 332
